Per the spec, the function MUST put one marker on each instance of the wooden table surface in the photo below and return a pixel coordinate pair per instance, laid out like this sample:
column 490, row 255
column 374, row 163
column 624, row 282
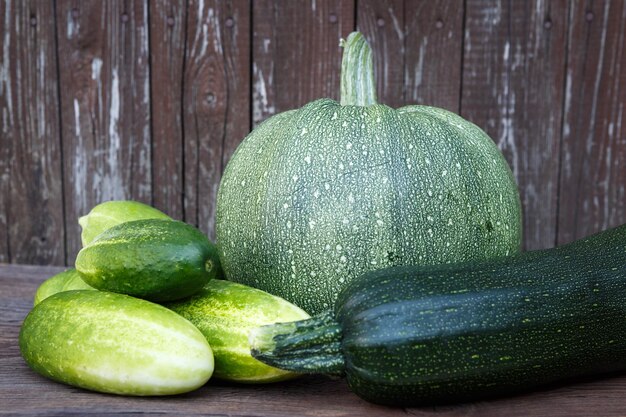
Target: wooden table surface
column 23, row 392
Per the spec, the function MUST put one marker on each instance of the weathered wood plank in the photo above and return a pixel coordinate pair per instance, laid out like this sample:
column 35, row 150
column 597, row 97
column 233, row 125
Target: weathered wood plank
column 167, row 49
column 296, row 54
column 382, row 24
column 593, row 156
column 434, row 39
column 31, row 220
column 215, row 100
column 6, row 86
column 23, row 392
column 105, row 106
column 513, row 89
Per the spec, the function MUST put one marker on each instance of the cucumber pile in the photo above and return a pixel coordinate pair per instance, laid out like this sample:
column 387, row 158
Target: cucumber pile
column 99, row 326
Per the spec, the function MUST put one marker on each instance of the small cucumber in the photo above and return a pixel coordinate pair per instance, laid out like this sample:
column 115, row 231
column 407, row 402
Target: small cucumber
column 63, row 281
column 159, row 260
column 114, row 343
column 225, row 312
column 111, row 213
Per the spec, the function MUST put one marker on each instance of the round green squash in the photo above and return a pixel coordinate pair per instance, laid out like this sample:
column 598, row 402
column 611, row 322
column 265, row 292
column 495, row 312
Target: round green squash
column 316, row 196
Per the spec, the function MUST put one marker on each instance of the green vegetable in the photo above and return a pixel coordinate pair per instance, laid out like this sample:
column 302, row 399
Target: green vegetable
column 225, row 312
column 411, row 335
column 315, row 197
column 63, row 281
column 114, row 343
column 109, row 214
column 159, row 260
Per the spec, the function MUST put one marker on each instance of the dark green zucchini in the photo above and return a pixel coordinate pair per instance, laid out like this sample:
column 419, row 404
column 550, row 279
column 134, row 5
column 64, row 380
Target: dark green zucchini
column 457, row 332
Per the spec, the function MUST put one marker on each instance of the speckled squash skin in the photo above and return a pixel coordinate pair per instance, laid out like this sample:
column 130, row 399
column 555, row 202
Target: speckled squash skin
column 316, row 196
column 420, row 335
column 158, row 260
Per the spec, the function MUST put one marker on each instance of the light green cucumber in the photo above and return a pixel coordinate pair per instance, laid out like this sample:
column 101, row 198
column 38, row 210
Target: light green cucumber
column 114, row 343
column 63, row 281
column 159, row 260
column 225, row 312
column 111, row 213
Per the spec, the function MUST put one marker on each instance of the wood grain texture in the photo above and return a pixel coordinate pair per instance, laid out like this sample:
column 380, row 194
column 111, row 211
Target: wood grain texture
column 105, row 106
column 31, row 220
column 6, row 143
column 23, row 392
column 593, row 156
column 382, row 24
column 215, row 100
column 155, row 96
column 434, row 46
column 296, row 53
column 168, row 24
column 513, row 89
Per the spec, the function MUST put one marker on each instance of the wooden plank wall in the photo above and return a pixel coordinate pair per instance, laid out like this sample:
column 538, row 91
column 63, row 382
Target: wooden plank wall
column 148, row 99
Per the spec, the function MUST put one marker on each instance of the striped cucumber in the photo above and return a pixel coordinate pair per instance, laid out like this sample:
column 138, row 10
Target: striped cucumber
column 225, row 312
column 114, row 343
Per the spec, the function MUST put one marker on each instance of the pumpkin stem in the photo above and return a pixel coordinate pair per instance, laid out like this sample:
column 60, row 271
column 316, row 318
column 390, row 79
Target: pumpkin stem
column 358, row 87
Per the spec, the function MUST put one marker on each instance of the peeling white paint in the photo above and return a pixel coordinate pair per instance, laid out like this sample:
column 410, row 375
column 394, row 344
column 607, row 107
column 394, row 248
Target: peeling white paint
column 114, row 111
column 568, row 102
column 419, row 70
column 73, row 25
column 506, row 107
column 596, row 85
column 112, row 187
column 397, row 27
column 79, row 165
column 41, row 104
column 217, row 39
column 261, row 105
column 200, row 10
column 96, row 69
column 492, row 15
column 76, row 118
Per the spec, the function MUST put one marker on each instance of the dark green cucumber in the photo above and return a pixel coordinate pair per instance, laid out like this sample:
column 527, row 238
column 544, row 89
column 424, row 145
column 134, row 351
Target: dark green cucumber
column 225, row 312
column 114, row 343
column 159, row 260
column 415, row 335
column 63, row 281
